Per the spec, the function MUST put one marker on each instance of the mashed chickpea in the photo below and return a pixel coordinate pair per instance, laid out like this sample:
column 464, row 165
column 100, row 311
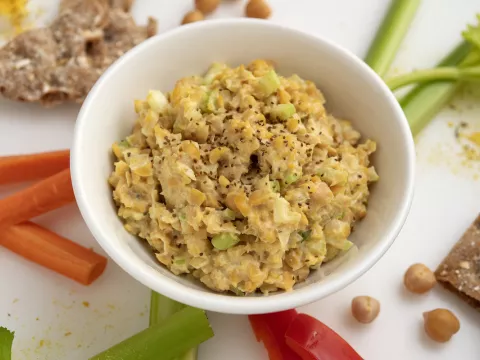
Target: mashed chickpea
column 241, row 178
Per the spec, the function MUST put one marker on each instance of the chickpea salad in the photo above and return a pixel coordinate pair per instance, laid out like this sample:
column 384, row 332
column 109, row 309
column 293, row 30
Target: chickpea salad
column 242, row 179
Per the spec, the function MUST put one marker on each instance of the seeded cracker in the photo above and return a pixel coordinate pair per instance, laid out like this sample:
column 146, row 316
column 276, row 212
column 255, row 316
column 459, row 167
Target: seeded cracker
column 61, row 62
column 460, row 271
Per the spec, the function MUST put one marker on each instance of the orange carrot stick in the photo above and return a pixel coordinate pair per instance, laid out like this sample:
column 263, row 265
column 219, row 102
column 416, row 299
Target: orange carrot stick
column 30, row 167
column 48, row 249
column 46, row 195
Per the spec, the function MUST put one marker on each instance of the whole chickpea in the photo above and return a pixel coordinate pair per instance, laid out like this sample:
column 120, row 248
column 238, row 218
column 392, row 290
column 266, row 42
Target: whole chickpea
column 207, row 6
column 365, row 309
column 419, row 279
column 258, row 9
column 192, row 16
column 440, row 324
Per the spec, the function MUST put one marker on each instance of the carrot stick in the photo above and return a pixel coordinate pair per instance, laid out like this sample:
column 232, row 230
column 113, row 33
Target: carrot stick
column 46, row 195
column 54, row 252
column 30, row 167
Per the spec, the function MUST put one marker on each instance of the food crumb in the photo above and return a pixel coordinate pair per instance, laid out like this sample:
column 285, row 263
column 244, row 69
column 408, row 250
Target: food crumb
column 37, row 318
column 68, row 333
column 15, row 301
column 475, row 138
column 86, row 304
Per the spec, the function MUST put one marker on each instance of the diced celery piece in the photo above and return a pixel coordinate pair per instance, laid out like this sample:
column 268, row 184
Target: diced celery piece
column 225, row 241
column 237, row 291
column 179, row 261
column 157, row 101
column 275, row 185
column 291, row 178
column 215, row 70
column 283, row 214
column 283, row 111
column 269, row 83
column 332, row 252
column 229, row 214
column 348, row 244
column 210, row 104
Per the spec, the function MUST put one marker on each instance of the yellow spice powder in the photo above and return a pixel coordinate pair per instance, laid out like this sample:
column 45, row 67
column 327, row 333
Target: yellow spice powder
column 16, row 12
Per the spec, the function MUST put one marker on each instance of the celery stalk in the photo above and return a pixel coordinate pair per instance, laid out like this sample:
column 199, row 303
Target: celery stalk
column 180, row 332
column 390, row 34
column 422, row 103
column 6, row 340
column 435, row 74
column 161, row 308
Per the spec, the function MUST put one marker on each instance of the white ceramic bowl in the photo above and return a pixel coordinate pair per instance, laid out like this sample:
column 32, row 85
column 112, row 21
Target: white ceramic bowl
column 352, row 90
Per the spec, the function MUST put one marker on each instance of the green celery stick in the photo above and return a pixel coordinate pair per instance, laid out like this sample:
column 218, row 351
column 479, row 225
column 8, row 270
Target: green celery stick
column 180, row 332
column 6, row 340
column 390, row 35
column 435, row 74
column 422, row 103
column 161, row 308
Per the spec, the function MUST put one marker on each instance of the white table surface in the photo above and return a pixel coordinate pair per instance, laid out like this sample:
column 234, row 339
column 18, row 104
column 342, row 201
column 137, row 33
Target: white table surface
column 56, row 319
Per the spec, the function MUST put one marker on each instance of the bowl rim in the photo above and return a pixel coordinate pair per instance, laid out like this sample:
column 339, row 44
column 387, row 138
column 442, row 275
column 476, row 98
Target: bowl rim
column 220, row 302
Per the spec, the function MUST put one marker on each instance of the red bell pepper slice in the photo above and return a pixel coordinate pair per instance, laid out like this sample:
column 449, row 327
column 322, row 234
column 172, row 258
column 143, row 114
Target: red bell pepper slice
column 313, row 340
column 270, row 329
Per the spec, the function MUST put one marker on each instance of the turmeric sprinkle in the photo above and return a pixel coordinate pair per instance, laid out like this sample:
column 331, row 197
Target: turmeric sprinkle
column 16, row 12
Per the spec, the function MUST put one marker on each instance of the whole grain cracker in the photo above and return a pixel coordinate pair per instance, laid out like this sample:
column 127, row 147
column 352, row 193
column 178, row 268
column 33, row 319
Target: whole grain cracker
column 460, row 270
column 62, row 62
